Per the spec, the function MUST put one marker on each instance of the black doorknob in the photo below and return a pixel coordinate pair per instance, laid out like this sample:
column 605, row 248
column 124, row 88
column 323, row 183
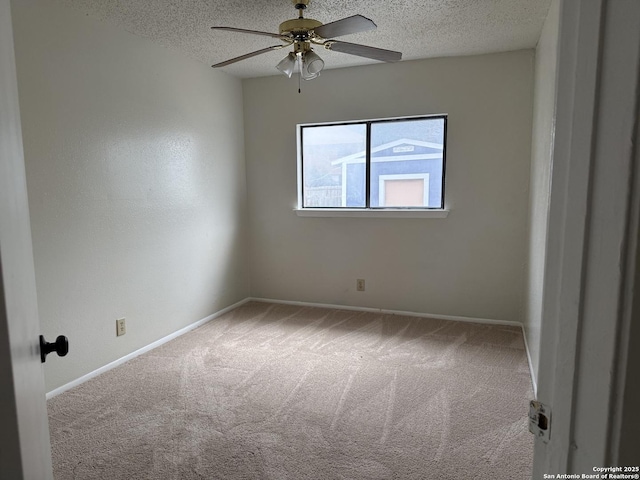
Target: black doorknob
column 60, row 346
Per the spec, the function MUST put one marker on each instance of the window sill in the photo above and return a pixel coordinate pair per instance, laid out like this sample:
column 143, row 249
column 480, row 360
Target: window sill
column 370, row 213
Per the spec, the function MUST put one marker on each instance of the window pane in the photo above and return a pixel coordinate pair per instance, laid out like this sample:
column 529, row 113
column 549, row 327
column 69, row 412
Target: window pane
column 334, row 171
column 407, row 155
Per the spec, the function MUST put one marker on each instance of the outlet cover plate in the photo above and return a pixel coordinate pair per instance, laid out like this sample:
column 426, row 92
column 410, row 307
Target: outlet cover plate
column 121, row 327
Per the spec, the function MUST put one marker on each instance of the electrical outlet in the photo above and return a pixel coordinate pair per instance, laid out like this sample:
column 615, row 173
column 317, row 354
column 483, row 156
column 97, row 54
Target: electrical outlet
column 121, row 327
column 360, row 285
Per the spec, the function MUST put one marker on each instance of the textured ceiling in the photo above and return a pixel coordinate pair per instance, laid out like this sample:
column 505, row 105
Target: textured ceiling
column 417, row 28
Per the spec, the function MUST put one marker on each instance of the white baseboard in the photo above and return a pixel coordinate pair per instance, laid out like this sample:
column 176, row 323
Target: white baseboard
column 199, row 323
column 534, row 382
column 488, row 321
column 142, row 350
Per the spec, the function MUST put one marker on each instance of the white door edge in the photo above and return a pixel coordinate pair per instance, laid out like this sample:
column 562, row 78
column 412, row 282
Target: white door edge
column 25, row 451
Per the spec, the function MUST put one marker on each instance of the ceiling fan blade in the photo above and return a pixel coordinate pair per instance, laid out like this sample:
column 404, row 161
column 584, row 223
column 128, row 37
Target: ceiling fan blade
column 253, row 32
column 248, row 55
column 364, row 51
column 346, row 26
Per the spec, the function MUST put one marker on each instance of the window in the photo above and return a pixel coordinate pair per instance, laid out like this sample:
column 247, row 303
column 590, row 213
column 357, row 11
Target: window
column 373, row 164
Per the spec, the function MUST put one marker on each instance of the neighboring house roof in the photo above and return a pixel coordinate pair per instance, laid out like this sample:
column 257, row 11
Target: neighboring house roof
column 398, row 150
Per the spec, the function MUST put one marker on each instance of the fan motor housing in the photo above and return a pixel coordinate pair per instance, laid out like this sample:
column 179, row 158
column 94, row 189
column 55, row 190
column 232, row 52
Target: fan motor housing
column 298, row 26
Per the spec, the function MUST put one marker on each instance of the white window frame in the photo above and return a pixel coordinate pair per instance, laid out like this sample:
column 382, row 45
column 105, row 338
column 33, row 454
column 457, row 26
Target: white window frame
column 375, row 212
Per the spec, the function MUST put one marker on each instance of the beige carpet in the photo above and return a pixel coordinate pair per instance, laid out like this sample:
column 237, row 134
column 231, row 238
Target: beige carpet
column 285, row 392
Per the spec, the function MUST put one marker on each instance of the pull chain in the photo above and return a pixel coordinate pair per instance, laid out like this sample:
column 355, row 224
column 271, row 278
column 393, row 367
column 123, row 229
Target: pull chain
column 299, row 73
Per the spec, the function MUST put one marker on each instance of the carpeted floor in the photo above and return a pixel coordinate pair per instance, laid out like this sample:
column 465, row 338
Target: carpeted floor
column 290, row 393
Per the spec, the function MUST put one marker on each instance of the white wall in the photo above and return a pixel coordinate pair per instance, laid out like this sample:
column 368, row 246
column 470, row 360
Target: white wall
column 136, row 178
column 469, row 264
column 544, row 115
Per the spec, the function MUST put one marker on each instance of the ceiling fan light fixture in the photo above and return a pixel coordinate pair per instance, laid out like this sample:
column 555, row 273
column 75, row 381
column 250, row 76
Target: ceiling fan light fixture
column 301, row 33
column 287, row 65
column 312, row 65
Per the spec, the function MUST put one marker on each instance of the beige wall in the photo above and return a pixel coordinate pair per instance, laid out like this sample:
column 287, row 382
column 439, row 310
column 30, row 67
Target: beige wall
column 135, row 171
column 544, row 115
column 469, row 264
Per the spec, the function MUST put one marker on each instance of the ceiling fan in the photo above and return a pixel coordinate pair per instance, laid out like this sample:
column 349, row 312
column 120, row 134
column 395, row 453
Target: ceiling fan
column 304, row 33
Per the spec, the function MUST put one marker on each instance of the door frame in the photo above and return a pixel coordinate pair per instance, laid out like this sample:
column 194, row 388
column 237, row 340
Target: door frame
column 592, row 236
